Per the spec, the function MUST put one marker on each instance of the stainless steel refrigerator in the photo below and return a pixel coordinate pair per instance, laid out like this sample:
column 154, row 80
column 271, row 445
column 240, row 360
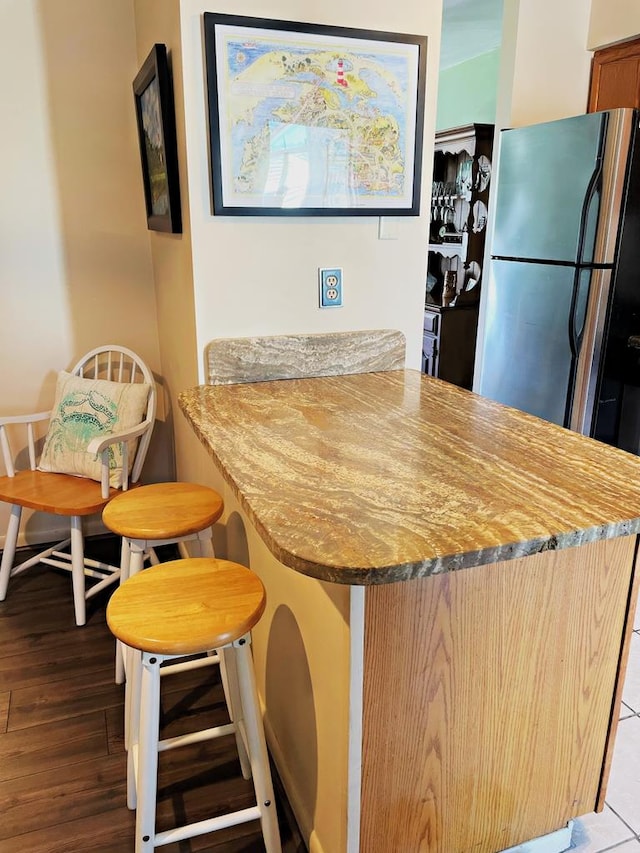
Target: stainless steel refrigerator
column 562, row 299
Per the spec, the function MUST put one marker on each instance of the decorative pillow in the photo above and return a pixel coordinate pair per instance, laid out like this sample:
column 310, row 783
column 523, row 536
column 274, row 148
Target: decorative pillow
column 84, row 409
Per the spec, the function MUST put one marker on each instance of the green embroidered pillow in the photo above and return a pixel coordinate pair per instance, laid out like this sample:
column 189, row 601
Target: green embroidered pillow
column 84, row 409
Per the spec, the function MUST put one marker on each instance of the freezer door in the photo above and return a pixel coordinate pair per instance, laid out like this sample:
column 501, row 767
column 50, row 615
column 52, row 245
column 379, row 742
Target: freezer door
column 548, row 189
column 527, row 360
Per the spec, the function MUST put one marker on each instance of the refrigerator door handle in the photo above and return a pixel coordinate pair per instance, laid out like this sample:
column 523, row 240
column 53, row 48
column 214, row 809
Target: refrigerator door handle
column 575, row 336
column 575, row 342
column 594, row 187
column 591, row 350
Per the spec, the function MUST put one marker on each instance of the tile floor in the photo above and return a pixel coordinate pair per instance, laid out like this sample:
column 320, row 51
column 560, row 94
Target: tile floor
column 617, row 828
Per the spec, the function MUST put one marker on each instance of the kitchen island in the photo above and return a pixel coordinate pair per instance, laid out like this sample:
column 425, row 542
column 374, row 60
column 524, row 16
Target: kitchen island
column 463, row 645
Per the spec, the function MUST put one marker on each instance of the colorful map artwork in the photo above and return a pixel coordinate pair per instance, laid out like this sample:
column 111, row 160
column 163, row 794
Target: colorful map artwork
column 316, row 124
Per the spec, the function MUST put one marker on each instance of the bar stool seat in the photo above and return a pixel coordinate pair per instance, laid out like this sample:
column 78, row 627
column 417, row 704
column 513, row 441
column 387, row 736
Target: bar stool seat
column 186, row 607
column 165, row 513
column 161, row 514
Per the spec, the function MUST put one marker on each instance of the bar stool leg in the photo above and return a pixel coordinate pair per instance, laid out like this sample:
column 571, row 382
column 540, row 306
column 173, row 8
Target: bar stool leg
column 132, row 723
column 136, row 558
column 147, row 736
column 205, row 543
column 120, row 653
column 125, row 558
column 131, row 562
column 202, row 544
column 257, row 745
column 229, row 676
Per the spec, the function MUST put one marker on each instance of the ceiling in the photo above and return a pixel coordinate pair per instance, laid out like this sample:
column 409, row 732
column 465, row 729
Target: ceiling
column 469, row 28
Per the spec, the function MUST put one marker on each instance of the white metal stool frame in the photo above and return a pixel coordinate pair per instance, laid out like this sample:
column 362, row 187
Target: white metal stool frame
column 132, row 557
column 142, row 761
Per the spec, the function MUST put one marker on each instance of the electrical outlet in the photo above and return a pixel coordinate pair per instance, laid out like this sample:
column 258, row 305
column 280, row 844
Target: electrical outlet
column 330, row 287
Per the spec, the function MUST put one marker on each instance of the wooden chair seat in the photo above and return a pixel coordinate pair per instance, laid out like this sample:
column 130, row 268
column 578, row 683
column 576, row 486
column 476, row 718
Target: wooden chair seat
column 59, row 494
column 186, row 607
column 163, row 511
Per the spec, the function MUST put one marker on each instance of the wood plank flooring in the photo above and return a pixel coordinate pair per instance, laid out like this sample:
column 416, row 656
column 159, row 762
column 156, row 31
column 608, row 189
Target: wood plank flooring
column 62, row 760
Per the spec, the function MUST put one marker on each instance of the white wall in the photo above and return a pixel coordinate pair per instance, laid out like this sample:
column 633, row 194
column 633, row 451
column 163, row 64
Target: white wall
column 258, row 275
column 158, row 21
column 75, row 266
column 545, row 61
column 32, row 259
column 613, row 21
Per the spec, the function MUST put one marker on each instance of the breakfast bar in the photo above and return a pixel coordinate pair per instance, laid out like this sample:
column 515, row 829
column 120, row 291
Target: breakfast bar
column 451, row 585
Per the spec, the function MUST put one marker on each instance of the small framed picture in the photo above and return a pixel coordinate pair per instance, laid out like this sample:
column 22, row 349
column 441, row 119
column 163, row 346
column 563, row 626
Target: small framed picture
column 311, row 120
column 156, row 121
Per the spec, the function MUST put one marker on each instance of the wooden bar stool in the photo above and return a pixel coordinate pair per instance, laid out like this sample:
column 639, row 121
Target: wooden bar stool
column 188, row 607
column 160, row 514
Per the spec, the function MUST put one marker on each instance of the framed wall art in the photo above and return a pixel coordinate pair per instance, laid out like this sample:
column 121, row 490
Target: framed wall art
column 156, row 121
column 310, row 119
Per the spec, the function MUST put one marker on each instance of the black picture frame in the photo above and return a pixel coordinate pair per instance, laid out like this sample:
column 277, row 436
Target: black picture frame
column 342, row 106
column 156, row 121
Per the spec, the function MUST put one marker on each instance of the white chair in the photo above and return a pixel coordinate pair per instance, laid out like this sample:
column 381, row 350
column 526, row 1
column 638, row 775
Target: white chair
column 97, row 438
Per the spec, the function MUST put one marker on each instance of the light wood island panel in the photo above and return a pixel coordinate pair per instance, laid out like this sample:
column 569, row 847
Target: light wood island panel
column 490, row 561
column 488, row 692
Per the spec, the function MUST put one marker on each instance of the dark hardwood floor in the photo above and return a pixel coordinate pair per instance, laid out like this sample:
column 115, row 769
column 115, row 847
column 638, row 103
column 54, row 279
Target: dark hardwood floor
column 62, row 760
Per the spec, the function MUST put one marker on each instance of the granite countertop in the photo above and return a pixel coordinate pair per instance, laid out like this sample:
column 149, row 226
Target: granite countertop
column 382, row 477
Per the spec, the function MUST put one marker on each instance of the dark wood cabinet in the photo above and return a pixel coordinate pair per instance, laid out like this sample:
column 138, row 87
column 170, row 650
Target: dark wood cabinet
column 449, row 342
column 615, row 77
column 459, row 202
